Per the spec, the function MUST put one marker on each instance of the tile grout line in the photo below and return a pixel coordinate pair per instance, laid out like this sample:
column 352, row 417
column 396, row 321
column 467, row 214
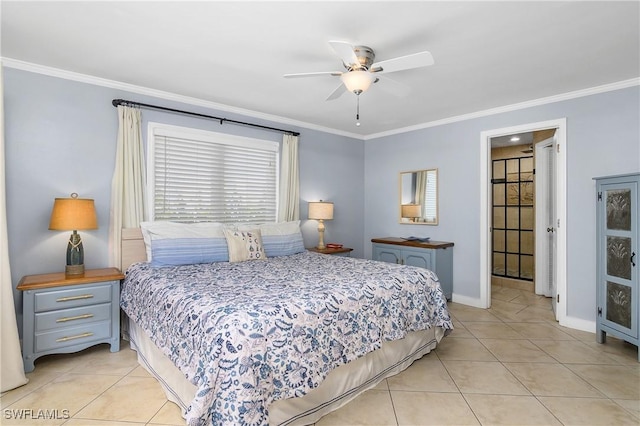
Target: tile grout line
column 90, row 402
column 459, row 390
column 393, row 406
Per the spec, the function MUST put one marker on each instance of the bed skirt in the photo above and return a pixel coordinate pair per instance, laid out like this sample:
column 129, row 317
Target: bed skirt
column 340, row 386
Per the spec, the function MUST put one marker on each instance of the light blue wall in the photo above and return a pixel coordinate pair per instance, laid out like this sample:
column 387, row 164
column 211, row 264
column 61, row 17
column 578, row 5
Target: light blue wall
column 60, row 137
column 603, row 137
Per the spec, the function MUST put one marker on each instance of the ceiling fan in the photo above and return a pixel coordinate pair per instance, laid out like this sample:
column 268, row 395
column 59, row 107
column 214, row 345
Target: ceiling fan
column 361, row 70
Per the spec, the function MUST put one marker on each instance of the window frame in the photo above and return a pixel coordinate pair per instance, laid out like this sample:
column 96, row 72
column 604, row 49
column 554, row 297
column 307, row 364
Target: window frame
column 155, row 129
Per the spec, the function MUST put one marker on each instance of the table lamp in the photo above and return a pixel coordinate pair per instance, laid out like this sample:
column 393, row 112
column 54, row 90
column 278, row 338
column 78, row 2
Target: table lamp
column 73, row 214
column 411, row 211
column 320, row 211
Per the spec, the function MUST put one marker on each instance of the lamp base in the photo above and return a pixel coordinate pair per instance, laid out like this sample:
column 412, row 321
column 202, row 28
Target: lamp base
column 321, row 245
column 75, row 255
column 74, row 270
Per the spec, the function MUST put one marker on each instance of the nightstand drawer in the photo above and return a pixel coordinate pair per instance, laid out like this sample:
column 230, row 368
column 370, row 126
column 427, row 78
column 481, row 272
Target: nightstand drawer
column 72, row 297
column 72, row 317
column 71, row 336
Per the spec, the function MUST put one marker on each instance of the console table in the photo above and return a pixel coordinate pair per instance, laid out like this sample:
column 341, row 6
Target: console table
column 434, row 255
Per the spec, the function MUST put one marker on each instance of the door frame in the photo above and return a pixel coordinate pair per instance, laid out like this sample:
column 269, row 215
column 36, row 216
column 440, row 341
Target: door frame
column 561, row 202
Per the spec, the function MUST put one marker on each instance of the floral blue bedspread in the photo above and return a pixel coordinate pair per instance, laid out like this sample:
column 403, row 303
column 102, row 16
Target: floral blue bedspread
column 249, row 333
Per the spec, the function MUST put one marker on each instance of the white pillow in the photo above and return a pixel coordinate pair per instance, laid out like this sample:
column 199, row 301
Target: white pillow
column 279, row 228
column 170, row 230
column 244, row 245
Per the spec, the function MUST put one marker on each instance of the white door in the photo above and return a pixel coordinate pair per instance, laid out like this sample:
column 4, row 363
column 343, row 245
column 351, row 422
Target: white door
column 546, row 220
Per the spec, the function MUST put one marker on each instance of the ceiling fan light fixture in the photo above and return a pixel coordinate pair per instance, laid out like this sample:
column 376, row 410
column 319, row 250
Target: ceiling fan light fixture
column 357, row 81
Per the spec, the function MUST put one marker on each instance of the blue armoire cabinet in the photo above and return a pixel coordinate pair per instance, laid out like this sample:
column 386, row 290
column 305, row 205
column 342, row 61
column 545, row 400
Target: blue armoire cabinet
column 618, row 234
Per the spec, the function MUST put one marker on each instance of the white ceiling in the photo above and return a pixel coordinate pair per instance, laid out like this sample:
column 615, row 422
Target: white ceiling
column 487, row 54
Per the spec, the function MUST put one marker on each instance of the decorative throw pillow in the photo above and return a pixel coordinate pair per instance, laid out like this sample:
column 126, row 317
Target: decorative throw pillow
column 278, row 239
column 244, row 245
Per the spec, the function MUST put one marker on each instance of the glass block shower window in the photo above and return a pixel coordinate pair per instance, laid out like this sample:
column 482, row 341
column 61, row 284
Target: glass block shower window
column 513, row 218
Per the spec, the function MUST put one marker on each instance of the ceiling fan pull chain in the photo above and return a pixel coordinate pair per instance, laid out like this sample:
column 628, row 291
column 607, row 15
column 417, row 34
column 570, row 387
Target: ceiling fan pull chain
column 358, row 110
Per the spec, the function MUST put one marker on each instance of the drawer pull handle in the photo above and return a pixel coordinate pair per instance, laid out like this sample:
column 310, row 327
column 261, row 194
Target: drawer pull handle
column 77, row 317
column 82, row 296
column 78, row 336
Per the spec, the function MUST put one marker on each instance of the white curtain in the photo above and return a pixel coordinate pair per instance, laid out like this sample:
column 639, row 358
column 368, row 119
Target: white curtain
column 11, row 367
column 289, row 201
column 128, row 184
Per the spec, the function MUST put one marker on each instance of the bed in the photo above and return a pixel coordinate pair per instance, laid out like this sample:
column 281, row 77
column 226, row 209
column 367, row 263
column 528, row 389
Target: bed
column 283, row 337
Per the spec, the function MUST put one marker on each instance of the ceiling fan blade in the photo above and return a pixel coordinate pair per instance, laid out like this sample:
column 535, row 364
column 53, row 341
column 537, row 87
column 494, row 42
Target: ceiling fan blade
column 313, row 74
column 337, row 92
column 416, row 60
column 394, row 87
column 345, row 52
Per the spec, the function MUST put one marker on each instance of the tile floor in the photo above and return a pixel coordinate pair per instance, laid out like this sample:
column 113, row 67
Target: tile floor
column 509, row 365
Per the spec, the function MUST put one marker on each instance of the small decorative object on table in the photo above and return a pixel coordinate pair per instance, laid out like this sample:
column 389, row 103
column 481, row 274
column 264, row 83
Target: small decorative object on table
column 333, row 248
column 419, row 239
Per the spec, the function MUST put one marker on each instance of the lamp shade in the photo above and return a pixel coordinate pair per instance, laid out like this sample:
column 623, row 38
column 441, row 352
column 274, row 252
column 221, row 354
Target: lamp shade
column 357, row 81
column 73, row 214
column 320, row 210
column 411, row 210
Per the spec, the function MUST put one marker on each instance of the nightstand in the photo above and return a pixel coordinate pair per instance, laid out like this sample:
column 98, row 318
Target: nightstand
column 68, row 313
column 343, row 251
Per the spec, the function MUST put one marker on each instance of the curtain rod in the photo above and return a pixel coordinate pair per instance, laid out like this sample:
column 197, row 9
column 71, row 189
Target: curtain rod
column 117, row 102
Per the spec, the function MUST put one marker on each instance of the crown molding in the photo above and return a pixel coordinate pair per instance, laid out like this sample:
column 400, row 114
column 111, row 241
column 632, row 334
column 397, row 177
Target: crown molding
column 118, row 85
column 84, row 78
column 513, row 107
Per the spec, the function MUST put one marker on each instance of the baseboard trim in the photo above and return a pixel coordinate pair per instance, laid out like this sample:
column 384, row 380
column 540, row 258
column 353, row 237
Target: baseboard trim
column 569, row 322
column 466, row 300
column 579, row 324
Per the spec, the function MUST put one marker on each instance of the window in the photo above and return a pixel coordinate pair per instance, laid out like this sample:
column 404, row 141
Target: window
column 201, row 176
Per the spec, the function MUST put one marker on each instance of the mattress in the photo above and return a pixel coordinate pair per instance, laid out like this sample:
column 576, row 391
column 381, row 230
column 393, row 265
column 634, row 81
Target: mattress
column 342, row 385
column 249, row 334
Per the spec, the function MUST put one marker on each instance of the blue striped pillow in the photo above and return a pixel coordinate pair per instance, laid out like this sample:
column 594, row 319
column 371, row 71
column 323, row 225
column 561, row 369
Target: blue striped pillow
column 282, row 245
column 186, row 251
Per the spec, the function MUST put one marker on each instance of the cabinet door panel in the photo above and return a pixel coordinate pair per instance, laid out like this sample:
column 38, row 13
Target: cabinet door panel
column 618, row 307
column 387, row 254
column 618, row 255
column 421, row 259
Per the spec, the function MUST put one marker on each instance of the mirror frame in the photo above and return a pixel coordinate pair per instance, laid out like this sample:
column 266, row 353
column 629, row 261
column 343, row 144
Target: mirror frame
column 402, row 190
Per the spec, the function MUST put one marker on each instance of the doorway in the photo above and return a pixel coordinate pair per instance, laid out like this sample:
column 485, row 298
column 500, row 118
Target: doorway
column 521, row 234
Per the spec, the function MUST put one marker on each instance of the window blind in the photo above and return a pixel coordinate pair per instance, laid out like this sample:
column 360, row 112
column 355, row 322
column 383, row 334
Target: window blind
column 199, row 176
column 431, row 202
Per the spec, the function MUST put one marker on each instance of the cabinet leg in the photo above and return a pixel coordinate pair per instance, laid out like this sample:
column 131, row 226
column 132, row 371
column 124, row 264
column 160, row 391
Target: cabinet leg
column 601, row 336
column 28, row 365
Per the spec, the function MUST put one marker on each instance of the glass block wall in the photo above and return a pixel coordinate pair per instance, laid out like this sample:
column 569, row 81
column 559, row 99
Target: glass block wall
column 513, row 217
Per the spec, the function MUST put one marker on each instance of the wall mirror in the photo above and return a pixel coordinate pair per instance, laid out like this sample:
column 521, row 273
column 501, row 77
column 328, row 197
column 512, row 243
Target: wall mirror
column 419, row 197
